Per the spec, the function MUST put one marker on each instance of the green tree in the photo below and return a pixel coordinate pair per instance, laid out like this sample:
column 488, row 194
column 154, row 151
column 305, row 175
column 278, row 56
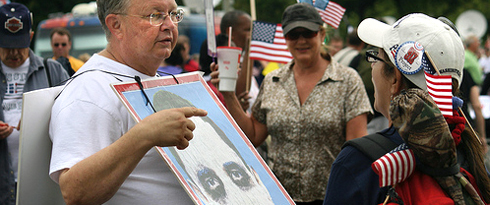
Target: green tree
column 357, row 10
column 271, row 10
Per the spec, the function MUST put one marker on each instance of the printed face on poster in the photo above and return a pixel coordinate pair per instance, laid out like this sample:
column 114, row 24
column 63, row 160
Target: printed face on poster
column 220, row 166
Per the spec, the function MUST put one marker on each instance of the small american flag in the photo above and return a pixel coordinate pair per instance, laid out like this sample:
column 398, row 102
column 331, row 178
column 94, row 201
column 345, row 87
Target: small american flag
column 395, row 166
column 439, row 87
column 268, row 43
column 330, row 11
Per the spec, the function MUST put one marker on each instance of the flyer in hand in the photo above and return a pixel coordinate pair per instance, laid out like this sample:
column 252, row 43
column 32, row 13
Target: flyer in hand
column 220, row 165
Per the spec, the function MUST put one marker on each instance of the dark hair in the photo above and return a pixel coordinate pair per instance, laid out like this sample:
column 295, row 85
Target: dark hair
column 353, row 38
column 204, row 59
column 61, row 31
column 175, row 57
column 230, row 19
column 472, row 148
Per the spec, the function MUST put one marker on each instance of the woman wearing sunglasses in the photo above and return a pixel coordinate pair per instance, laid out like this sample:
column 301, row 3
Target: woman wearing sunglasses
column 309, row 107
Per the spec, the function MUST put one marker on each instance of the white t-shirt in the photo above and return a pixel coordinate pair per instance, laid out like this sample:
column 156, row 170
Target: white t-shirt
column 88, row 116
column 12, row 106
column 485, row 64
column 345, row 56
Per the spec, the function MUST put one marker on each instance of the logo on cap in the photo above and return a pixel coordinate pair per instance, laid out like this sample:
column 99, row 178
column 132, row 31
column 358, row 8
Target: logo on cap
column 14, row 25
column 408, row 57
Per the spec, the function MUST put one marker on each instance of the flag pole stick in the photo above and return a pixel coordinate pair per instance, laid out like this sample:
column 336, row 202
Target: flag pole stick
column 249, row 64
column 459, row 108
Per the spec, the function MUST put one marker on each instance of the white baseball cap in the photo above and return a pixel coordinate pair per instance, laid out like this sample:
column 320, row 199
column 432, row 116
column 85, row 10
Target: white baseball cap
column 408, row 38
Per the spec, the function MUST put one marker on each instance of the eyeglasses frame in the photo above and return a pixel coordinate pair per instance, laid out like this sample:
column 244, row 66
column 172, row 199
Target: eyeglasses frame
column 152, row 16
column 374, row 54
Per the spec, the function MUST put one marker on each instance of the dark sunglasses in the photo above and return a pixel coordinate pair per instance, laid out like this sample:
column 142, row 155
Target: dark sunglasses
column 293, row 35
column 62, row 44
column 372, row 57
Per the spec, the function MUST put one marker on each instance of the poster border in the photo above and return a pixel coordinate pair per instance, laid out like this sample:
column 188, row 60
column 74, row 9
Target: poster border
column 120, row 88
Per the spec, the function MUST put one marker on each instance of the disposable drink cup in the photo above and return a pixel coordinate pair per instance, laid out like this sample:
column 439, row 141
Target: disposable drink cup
column 228, row 60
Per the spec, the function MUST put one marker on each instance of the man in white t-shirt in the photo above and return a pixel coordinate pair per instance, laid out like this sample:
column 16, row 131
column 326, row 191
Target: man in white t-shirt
column 20, row 71
column 100, row 155
column 351, row 51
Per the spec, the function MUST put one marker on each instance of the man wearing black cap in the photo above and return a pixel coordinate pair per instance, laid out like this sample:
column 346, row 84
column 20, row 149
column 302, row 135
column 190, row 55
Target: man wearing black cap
column 21, row 71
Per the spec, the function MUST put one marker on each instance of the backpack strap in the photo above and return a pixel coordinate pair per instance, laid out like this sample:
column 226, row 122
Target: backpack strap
column 45, row 61
column 374, row 145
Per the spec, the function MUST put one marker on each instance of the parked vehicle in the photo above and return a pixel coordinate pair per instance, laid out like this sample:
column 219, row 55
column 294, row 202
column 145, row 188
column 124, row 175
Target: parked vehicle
column 89, row 37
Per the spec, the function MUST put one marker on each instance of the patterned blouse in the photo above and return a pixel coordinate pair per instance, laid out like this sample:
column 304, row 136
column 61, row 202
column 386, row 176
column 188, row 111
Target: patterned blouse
column 305, row 139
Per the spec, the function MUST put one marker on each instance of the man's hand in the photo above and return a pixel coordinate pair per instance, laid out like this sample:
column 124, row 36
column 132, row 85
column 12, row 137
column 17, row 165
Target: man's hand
column 5, row 130
column 170, row 127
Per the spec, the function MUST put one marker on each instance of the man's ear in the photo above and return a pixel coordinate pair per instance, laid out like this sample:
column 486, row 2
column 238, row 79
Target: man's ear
column 32, row 35
column 113, row 22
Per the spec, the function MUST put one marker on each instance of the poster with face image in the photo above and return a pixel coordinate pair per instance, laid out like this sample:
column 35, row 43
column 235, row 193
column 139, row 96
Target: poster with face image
column 220, row 165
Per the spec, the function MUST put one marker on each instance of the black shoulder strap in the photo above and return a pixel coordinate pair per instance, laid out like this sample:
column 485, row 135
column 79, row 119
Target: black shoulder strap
column 47, row 71
column 374, row 145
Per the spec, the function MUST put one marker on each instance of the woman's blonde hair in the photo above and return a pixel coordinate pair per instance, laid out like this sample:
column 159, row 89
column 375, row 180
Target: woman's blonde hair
column 324, row 51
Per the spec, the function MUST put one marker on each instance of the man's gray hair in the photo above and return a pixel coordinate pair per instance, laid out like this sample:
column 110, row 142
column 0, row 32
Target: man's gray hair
column 106, row 7
column 470, row 40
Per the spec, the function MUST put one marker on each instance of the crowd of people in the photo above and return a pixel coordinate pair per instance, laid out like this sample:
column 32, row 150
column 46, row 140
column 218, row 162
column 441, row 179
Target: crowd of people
column 300, row 115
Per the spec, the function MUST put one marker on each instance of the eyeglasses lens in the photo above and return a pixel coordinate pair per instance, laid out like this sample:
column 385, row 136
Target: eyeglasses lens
column 372, row 56
column 58, row 44
column 293, row 35
column 157, row 19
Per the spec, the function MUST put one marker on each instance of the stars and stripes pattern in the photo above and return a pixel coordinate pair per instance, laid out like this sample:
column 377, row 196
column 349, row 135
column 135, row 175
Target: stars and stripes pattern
column 395, row 166
column 268, row 43
column 330, row 11
column 332, row 14
column 439, row 87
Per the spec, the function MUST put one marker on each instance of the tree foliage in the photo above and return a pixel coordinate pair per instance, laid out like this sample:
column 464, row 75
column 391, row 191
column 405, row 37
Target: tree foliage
column 271, row 10
column 357, row 10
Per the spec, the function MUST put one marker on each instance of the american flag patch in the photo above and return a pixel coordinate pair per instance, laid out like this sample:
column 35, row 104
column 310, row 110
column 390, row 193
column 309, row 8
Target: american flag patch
column 395, row 166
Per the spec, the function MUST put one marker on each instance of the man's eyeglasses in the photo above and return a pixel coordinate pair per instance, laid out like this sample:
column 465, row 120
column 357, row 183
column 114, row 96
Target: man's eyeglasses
column 372, row 57
column 60, row 44
column 293, row 35
column 157, row 18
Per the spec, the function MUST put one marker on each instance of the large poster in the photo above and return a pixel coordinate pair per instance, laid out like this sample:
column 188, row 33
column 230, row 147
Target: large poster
column 220, row 166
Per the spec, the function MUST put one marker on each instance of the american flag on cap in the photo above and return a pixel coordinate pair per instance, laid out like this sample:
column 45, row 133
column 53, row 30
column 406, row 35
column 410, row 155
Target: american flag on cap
column 395, row 166
column 330, row 11
column 439, row 86
column 268, row 43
